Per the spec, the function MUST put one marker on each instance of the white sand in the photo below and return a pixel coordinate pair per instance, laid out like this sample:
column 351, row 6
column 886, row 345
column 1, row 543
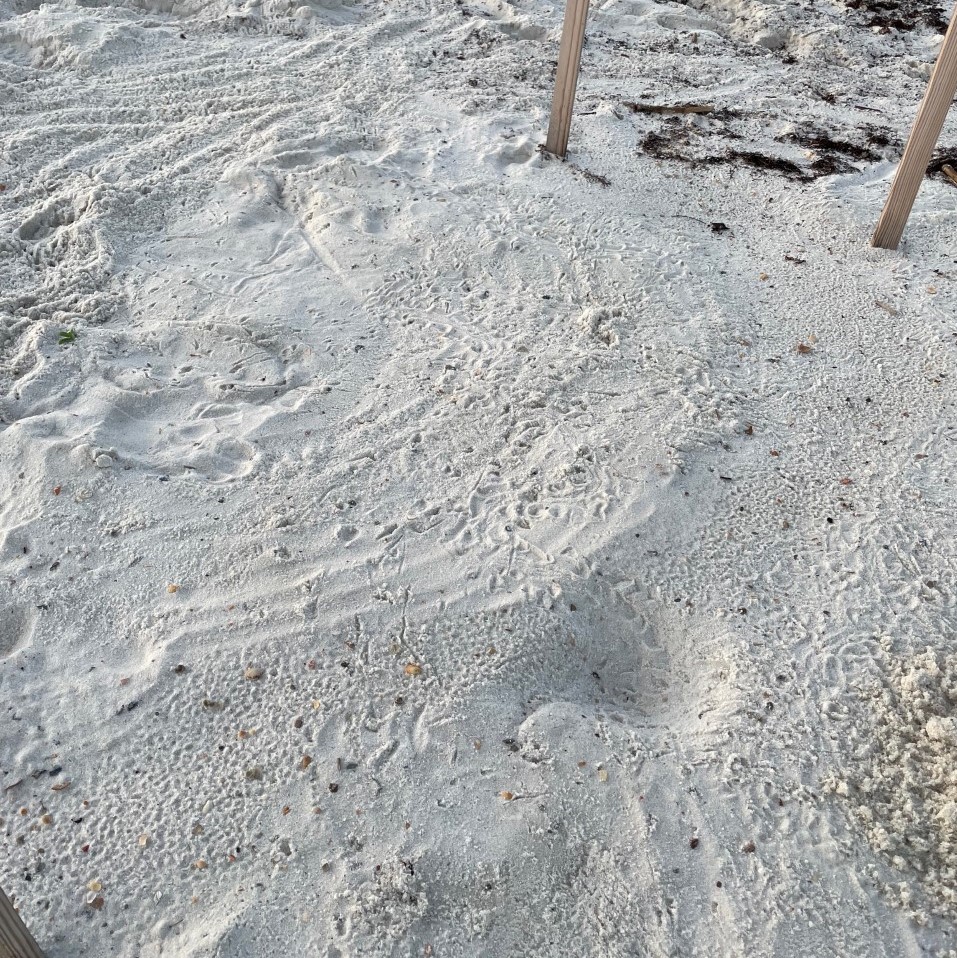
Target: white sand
column 361, row 381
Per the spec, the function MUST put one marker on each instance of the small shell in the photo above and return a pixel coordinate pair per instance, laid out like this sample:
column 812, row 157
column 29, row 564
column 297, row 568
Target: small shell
column 200, row 864
column 143, row 840
column 305, row 762
column 95, row 885
column 171, row 588
column 508, row 796
column 253, row 672
column 413, row 669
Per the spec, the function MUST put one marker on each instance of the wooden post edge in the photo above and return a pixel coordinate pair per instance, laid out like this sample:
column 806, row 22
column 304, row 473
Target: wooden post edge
column 15, row 940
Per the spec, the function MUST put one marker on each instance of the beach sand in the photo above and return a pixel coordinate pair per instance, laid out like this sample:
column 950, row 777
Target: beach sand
column 411, row 544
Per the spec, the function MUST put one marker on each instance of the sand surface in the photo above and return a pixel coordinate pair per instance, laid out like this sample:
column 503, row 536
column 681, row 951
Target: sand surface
column 414, row 546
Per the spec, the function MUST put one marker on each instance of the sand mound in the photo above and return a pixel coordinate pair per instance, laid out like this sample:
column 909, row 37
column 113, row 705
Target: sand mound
column 902, row 786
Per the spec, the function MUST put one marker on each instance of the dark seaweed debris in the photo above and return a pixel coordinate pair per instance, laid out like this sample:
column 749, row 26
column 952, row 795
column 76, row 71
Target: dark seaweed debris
column 833, row 155
column 670, row 148
column 943, row 156
column 902, row 15
column 823, row 143
column 761, row 161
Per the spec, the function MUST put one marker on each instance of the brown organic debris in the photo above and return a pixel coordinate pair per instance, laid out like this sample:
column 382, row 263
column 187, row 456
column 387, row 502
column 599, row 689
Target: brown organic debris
column 674, row 108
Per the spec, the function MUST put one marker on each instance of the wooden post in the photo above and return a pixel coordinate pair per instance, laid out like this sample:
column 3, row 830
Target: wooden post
column 566, row 80
column 920, row 145
column 15, row 940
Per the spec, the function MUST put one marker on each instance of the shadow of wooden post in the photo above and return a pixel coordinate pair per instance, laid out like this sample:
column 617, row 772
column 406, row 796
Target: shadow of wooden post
column 15, row 940
column 566, row 79
column 920, row 145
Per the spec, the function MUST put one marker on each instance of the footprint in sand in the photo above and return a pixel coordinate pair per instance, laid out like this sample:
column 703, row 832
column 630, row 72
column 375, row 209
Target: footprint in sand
column 16, row 628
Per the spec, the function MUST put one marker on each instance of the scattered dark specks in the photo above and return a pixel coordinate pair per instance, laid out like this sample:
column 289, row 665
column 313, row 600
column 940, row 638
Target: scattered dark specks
column 128, row 707
column 694, row 842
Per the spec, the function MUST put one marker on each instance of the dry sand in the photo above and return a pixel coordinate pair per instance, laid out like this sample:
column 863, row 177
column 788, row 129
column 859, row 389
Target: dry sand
column 412, row 546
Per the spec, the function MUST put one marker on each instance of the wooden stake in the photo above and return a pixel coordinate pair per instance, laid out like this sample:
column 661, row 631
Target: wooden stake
column 15, row 940
column 566, row 80
column 920, row 145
